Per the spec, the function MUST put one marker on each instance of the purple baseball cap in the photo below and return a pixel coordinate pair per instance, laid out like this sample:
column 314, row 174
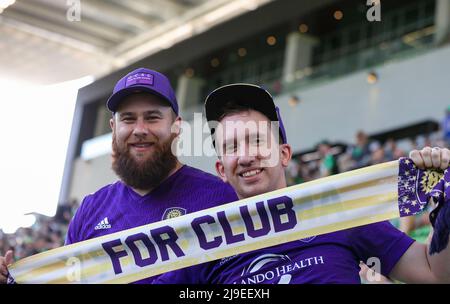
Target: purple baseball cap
column 245, row 94
column 142, row 80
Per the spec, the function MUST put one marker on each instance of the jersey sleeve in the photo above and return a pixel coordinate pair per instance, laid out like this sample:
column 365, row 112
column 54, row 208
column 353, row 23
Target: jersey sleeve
column 75, row 227
column 380, row 240
column 180, row 276
column 229, row 194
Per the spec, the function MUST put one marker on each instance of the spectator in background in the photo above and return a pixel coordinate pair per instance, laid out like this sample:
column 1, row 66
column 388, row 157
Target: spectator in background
column 377, row 156
column 446, row 127
column 412, row 144
column 391, row 151
column 360, row 153
column 328, row 162
column 423, row 141
column 293, row 175
column 308, row 170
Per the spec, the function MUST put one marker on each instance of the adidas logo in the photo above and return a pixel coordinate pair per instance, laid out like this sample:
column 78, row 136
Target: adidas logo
column 104, row 224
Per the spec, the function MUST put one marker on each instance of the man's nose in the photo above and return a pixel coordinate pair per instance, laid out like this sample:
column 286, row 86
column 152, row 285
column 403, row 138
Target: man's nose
column 246, row 160
column 140, row 130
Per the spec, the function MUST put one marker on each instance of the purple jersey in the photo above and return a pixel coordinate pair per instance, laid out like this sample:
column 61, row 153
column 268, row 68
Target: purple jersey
column 117, row 207
column 327, row 258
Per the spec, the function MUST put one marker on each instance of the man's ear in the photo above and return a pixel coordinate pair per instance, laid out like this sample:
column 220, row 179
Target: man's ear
column 221, row 170
column 285, row 154
column 111, row 122
column 176, row 126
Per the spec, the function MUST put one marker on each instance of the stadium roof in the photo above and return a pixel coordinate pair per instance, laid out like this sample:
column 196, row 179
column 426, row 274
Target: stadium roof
column 48, row 41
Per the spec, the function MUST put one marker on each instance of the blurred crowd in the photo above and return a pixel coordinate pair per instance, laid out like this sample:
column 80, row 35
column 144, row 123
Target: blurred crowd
column 328, row 159
column 46, row 233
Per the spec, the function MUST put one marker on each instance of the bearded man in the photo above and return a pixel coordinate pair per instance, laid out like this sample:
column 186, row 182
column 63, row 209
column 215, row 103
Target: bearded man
column 153, row 184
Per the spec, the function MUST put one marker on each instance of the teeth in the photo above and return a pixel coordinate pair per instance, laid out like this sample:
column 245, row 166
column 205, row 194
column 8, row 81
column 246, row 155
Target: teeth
column 251, row 173
column 142, row 145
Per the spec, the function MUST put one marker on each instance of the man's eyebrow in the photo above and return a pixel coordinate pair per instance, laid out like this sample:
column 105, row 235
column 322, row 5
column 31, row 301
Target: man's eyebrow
column 153, row 112
column 122, row 114
column 150, row 112
column 248, row 136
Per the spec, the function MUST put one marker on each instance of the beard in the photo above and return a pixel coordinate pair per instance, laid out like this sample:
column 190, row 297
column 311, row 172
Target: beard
column 146, row 174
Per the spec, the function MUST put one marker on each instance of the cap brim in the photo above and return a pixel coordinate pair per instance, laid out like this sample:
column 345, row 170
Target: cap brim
column 114, row 100
column 248, row 95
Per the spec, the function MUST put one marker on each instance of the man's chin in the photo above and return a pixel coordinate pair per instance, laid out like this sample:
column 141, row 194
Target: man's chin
column 140, row 158
column 252, row 191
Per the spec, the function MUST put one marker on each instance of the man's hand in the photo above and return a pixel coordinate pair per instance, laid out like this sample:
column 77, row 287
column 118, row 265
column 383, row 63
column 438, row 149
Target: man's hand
column 431, row 158
column 4, row 262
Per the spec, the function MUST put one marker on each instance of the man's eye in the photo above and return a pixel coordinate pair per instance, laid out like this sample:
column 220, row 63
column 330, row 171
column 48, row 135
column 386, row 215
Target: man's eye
column 256, row 141
column 153, row 117
column 128, row 119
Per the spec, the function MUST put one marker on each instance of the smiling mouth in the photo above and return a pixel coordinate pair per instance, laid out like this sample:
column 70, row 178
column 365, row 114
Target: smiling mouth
column 141, row 145
column 251, row 173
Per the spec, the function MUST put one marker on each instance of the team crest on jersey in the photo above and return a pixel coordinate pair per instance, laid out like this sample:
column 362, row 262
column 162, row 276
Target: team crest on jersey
column 255, row 273
column 276, row 268
column 173, row 212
